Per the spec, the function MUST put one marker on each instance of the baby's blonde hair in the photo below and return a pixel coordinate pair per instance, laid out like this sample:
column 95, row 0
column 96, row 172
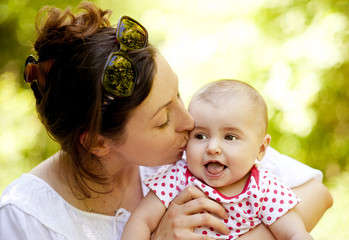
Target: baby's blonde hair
column 220, row 93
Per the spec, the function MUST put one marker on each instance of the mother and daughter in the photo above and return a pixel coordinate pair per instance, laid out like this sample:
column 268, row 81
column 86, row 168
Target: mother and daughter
column 111, row 101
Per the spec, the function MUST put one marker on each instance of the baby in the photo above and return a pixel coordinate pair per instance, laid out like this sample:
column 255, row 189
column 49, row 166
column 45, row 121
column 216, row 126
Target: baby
column 224, row 148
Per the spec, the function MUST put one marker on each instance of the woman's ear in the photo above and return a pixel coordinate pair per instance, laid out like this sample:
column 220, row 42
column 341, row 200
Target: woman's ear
column 263, row 147
column 99, row 148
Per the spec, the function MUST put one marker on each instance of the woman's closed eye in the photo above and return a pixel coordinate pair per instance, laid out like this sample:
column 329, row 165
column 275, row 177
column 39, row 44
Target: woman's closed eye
column 162, row 126
column 165, row 124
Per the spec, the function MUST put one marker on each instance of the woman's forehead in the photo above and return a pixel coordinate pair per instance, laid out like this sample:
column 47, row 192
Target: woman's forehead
column 164, row 89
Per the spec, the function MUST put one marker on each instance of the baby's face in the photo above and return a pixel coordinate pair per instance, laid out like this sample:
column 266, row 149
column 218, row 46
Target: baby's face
column 224, row 143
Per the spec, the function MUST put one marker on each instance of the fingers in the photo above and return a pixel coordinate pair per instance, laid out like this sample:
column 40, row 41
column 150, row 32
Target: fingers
column 206, row 219
column 193, row 200
column 177, row 226
column 188, row 194
column 204, row 204
column 197, row 210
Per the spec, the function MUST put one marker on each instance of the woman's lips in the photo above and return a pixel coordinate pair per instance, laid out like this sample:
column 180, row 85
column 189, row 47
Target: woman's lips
column 184, row 146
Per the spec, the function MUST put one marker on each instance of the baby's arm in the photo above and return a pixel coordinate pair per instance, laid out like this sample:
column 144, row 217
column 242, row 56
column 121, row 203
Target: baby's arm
column 290, row 226
column 144, row 219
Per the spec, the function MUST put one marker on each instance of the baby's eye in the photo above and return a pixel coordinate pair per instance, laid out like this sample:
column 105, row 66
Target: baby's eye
column 230, row 137
column 200, row 136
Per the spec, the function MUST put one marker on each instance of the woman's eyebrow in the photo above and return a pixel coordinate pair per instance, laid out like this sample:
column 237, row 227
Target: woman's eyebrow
column 161, row 107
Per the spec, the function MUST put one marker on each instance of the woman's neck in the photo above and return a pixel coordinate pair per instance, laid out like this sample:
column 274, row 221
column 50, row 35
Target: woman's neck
column 122, row 190
column 126, row 192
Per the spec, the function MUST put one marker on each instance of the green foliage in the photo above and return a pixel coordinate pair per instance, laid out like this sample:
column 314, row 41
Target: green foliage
column 333, row 224
column 17, row 19
column 325, row 145
column 119, row 76
column 294, row 52
column 23, row 141
column 328, row 142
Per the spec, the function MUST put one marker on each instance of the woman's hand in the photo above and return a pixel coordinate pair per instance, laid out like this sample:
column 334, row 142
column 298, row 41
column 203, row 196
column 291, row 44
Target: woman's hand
column 186, row 213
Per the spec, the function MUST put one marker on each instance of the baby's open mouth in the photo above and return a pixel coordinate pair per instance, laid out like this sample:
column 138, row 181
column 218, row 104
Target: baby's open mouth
column 215, row 168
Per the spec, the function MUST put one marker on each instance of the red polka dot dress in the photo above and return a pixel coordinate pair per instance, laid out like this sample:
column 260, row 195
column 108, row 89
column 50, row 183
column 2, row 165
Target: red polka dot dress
column 264, row 198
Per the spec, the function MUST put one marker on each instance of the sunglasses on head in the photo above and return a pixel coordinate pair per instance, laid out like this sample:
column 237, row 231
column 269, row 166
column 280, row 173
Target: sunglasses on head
column 119, row 74
column 28, row 74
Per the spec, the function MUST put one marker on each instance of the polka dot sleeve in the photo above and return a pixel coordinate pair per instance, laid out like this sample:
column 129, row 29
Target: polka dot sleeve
column 276, row 199
column 168, row 182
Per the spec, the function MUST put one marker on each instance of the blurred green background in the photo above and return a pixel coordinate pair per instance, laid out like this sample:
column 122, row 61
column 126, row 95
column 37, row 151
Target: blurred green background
column 295, row 52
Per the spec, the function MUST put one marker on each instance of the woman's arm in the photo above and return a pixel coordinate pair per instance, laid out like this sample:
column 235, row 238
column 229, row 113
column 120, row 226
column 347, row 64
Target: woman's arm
column 185, row 213
column 316, row 199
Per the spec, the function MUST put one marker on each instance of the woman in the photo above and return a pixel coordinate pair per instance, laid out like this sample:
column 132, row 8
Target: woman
column 113, row 106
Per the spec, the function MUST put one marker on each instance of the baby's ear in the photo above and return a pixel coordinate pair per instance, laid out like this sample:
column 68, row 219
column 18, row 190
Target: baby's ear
column 100, row 148
column 263, row 147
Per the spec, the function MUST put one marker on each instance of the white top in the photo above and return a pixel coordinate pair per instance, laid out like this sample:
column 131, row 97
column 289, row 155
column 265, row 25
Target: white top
column 31, row 209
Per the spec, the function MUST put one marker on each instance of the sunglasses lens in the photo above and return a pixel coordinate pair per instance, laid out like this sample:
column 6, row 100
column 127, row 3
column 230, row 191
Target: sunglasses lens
column 30, row 59
column 131, row 35
column 119, row 76
column 28, row 73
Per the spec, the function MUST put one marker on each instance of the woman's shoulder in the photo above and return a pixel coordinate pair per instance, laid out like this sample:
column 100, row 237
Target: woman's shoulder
column 33, row 202
column 29, row 200
column 34, row 188
column 33, row 196
column 23, row 190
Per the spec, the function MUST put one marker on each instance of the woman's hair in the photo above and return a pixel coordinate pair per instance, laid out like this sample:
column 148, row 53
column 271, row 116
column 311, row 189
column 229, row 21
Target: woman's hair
column 72, row 50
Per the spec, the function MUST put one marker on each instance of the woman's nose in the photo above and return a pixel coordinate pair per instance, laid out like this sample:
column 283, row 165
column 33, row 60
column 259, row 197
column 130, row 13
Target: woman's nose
column 213, row 147
column 186, row 121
